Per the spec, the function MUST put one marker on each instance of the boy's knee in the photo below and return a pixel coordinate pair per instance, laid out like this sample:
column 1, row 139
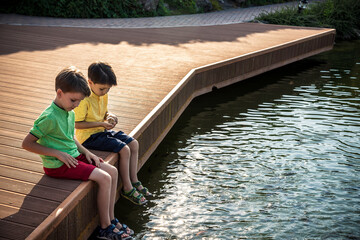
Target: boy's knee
column 113, row 171
column 134, row 145
column 125, row 150
column 105, row 178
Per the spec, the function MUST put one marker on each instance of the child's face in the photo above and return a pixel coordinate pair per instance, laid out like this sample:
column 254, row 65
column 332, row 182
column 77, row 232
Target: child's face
column 69, row 100
column 99, row 89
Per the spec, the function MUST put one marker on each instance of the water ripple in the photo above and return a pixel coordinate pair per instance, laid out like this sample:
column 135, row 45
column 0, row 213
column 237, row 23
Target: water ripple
column 287, row 168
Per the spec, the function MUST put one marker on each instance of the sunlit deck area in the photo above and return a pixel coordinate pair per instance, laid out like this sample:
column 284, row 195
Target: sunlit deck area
column 159, row 72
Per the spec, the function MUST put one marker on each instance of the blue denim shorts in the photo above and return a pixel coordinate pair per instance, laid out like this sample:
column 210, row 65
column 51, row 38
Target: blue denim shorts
column 109, row 141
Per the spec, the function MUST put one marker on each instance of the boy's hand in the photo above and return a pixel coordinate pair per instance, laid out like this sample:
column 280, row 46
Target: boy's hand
column 92, row 157
column 112, row 118
column 67, row 159
column 108, row 125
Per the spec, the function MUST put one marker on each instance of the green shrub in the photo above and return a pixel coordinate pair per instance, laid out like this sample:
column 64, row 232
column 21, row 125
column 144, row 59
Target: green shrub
column 216, row 5
column 343, row 15
column 162, row 10
column 182, row 6
column 75, row 8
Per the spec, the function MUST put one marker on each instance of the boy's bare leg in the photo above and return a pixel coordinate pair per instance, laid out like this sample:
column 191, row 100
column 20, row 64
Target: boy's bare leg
column 106, row 176
column 124, row 168
column 103, row 179
column 113, row 172
column 134, row 157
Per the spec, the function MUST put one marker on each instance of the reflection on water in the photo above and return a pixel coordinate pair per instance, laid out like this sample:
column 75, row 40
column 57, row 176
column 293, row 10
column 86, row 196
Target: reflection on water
column 277, row 157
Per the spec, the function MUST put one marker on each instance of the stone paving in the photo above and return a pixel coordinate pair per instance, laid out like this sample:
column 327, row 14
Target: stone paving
column 231, row 16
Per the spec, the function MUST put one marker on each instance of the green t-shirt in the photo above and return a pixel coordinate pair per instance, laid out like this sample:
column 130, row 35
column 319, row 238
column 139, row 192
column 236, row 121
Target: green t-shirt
column 54, row 128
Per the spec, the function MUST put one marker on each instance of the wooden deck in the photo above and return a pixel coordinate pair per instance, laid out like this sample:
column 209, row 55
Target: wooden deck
column 159, row 72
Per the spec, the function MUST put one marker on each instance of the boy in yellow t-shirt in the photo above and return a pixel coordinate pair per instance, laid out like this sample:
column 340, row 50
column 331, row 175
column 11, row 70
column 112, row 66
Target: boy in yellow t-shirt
column 94, row 126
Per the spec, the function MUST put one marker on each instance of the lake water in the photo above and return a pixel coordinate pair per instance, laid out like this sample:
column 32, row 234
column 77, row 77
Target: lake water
column 274, row 157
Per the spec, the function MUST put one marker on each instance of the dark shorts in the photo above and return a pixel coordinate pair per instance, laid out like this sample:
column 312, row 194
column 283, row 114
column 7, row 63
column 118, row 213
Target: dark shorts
column 82, row 171
column 109, row 141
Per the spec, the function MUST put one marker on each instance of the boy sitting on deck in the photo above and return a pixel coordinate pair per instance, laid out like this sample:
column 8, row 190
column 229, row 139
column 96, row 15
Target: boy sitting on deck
column 52, row 137
column 93, row 125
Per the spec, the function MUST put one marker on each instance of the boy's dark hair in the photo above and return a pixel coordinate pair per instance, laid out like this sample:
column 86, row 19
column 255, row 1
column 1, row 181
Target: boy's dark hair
column 102, row 73
column 72, row 80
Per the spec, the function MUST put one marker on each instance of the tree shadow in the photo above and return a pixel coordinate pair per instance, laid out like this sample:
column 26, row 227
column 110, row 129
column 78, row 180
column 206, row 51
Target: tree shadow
column 35, row 38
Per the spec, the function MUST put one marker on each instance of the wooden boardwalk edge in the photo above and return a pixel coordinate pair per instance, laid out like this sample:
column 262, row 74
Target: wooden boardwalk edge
column 155, row 126
column 169, row 106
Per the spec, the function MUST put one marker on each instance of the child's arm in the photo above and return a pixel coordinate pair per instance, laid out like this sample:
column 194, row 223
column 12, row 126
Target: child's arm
column 84, row 125
column 29, row 143
column 89, row 155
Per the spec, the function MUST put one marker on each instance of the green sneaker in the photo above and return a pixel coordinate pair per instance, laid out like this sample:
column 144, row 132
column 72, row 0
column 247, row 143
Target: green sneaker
column 138, row 200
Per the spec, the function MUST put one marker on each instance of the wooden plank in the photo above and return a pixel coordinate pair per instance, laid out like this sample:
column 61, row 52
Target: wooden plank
column 18, row 152
column 26, row 217
column 14, row 126
column 16, row 119
column 37, row 178
column 22, row 163
column 48, row 193
column 12, row 134
column 10, row 141
column 14, row 231
column 25, row 202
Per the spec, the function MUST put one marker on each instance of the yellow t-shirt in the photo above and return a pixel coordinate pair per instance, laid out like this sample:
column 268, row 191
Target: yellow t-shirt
column 91, row 109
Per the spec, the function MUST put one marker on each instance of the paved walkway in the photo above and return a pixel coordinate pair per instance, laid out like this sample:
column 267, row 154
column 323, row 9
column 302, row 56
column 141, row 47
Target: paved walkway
column 231, row 16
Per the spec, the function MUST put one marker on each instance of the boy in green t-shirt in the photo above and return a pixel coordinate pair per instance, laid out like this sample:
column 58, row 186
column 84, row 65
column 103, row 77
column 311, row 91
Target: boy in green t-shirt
column 52, row 137
column 94, row 126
